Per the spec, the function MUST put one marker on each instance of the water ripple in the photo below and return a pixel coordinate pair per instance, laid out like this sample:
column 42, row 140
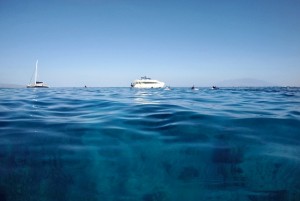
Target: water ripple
column 128, row 144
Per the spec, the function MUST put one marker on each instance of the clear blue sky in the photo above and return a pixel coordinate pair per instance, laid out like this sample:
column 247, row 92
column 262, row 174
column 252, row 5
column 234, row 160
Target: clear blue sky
column 112, row 42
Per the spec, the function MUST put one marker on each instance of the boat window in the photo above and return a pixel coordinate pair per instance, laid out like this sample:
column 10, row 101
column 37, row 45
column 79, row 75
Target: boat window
column 149, row 82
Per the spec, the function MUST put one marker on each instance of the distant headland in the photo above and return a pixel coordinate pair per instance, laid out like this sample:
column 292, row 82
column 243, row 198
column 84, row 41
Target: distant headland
column 245, row 82
column 2, row 85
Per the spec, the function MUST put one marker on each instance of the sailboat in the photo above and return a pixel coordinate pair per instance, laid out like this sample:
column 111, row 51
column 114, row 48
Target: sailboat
column 37, row 84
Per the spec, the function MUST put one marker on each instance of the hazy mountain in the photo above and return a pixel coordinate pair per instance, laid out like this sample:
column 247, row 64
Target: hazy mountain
column 2, row 85
column 245, row 82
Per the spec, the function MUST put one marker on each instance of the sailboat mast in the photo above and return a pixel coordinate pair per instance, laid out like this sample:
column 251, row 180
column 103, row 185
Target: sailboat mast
column 35, row 76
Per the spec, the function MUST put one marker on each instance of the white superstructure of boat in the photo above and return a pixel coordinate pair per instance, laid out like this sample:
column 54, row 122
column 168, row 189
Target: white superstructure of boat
column 37, row 84
column 146, row 82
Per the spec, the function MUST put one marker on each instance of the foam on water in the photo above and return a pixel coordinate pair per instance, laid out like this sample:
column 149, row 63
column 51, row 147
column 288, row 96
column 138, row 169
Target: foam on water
column 150, row 145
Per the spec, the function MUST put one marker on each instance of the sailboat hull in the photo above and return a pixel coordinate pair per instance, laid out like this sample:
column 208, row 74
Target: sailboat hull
column 37, row 87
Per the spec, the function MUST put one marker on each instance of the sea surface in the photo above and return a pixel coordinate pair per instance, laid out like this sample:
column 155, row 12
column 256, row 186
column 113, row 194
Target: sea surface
column 123, row 144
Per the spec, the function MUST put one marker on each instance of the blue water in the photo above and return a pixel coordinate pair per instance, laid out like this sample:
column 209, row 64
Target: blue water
column 121, row 144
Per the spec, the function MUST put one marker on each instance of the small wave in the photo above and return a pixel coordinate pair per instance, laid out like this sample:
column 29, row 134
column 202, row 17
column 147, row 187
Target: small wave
column 127, row 144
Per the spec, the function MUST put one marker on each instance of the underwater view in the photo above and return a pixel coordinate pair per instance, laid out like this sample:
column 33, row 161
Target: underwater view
column 123, row 144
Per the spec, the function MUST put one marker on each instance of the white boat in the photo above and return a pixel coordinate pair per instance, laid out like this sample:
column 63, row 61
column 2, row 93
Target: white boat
column 194, row 88
column 36, row 84
column 168, row 88
column 146, row 82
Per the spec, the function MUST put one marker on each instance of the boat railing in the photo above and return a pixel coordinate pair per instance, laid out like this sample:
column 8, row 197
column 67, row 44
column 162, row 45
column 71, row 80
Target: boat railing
column 145, row 78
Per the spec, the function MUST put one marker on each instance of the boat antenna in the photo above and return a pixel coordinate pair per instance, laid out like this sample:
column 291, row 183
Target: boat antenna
column 36, row 65
column 33, row 74
column 31, row 78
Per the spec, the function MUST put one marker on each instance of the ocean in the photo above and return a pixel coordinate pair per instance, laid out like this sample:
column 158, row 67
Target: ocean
column 123, row 144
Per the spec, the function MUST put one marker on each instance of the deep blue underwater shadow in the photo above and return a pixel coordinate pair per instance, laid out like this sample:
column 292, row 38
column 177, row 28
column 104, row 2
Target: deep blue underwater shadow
column 117, row 144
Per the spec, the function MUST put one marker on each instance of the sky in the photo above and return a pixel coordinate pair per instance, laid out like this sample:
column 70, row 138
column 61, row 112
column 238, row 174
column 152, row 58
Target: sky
column 110, row 43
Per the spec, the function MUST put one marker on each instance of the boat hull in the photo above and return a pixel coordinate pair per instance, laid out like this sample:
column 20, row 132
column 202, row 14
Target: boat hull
column 37, row 86
column 149, row 86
